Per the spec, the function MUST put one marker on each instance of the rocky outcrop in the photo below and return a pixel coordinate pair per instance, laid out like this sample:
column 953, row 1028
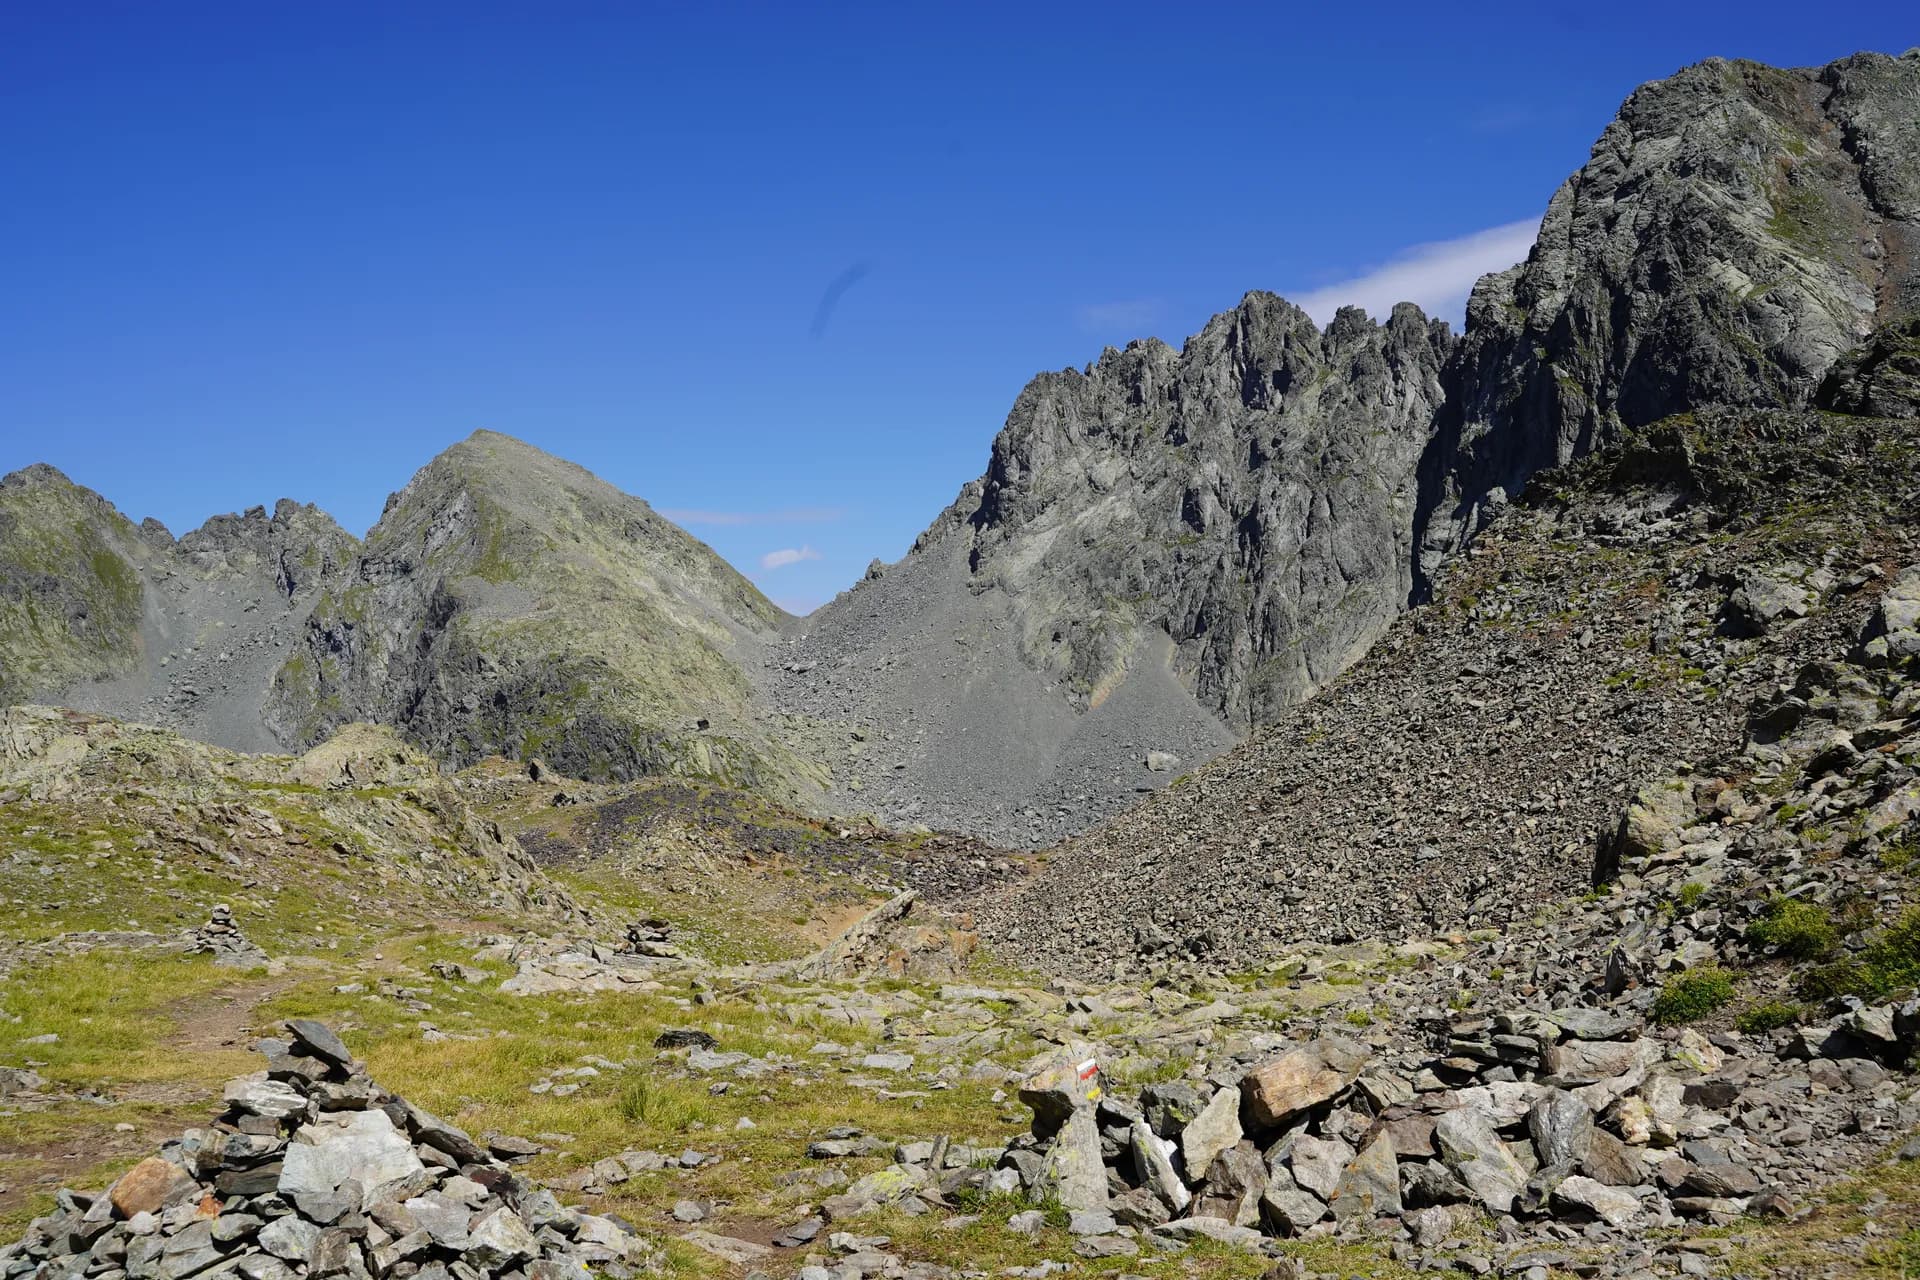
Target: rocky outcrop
column 1167, row 547
column 1251, row 495
column 1737, row 229
column 1612, row 625
column 367, row 802
column 1881, row 377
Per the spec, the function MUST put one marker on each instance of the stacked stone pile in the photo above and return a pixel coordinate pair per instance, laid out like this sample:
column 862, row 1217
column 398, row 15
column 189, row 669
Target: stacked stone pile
column 221, row 938
column 313, row 1170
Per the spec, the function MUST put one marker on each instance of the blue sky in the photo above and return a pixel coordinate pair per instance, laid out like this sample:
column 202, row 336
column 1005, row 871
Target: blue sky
column 250, row 251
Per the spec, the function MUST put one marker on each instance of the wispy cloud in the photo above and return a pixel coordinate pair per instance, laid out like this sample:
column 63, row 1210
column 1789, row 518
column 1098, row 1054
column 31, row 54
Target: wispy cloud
column 1438, row 276
column 787, row 555
column 789, row 515
column 1127, row 317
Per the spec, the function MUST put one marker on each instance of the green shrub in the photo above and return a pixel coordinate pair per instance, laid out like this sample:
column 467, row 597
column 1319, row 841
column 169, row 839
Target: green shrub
column 1692, row 994
column 1886, row 966
column 1768, row 1015
column 1690, row 895
column 1796, row 929
column 1830, row 981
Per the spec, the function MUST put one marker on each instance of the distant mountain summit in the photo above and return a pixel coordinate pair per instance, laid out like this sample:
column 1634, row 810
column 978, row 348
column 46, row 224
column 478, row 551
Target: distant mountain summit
column 1167, row 550
column 508, row 602
column 111, row 616
column 1166, row 547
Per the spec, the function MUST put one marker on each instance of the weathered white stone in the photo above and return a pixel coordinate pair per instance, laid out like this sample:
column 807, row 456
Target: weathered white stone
column 499, row 1239
column 1611, row 1205
column 362, row 1146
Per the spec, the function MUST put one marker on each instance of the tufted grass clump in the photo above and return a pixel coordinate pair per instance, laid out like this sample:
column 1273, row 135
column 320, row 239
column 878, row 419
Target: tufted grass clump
column 1692, row 994
column 1767, row 1015
column 1796, row 929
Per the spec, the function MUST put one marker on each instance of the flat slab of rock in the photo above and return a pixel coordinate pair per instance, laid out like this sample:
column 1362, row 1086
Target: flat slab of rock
column 1369, row 1187
column 727, row 1248
column 1216, row 1229
column 1301, row 1080
column 1153, row 1166
column 1214, row 1130
column 1073, row 1169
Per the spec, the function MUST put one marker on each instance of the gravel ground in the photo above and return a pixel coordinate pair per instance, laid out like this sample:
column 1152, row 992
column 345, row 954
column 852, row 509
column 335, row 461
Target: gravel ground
column 955, row 730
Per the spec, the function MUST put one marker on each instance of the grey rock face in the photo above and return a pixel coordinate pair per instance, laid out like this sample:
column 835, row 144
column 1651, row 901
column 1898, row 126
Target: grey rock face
column 1737, row 228
column 1881, row 377
column 1247, row 494
column 1166, row 546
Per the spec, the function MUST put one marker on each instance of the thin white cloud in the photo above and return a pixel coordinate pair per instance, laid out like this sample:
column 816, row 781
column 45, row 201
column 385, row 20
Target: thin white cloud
column 1438, row 276
column 1110, row 317
column 787, row 555
column 789, row 515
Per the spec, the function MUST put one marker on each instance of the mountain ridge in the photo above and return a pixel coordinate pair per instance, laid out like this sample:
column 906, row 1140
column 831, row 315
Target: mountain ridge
column 1166, row 550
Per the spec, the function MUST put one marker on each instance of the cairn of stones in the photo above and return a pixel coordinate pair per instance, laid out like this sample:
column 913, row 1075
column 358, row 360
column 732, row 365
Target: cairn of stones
column 314, row 1172
column 221, row 938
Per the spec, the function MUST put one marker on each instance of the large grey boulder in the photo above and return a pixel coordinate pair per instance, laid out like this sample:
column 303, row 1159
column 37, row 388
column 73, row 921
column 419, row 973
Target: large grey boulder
column 1369, row 1186
column 1153, row 1167
column 1073, row 1170
column 1472, row 1149
column 1561, row 1127
column 1233, row 1186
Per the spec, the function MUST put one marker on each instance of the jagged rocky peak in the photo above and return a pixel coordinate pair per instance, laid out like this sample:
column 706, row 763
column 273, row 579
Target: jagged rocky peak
column 1251, row 494
column 1736, row 230
column 301, row 545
